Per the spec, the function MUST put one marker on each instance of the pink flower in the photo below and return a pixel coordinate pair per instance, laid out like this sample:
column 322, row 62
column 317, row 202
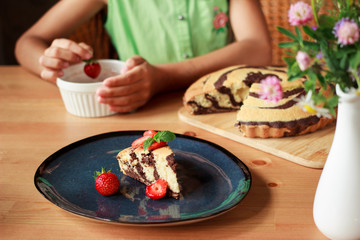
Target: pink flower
column 271, row 90
column 303, row 60
column 346, row 31
column 300, row 13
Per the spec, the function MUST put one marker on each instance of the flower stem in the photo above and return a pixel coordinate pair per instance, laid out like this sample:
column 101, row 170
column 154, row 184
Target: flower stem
column 356, row 76
column 314, row 12
column 357, row 79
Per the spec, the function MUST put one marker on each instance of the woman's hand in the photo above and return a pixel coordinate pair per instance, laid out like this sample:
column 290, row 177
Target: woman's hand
column 131, row 89
column 61, row 54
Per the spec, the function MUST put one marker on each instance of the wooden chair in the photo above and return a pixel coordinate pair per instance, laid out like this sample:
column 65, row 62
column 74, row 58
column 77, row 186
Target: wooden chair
column 276, row 14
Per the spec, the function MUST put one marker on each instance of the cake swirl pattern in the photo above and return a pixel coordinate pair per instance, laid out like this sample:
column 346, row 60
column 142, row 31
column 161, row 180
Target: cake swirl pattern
column 237, row 89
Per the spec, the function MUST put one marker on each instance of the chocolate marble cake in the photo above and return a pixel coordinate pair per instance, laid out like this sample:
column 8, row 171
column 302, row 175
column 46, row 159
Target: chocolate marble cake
column 236, row 89
column 258, row 118
column 149, row 166
column 226, row 89
column 221, row 91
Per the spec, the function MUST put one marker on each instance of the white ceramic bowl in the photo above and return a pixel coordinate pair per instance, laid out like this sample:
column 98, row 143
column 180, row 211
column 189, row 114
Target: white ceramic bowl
column 78, row 90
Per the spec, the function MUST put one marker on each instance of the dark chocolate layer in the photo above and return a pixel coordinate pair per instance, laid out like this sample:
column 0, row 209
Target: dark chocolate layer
column 287, row 104
column 252, row 77
column 286, row 94
column 295, row 127
column 214, row 106
column 171, row 162
column 149, row 160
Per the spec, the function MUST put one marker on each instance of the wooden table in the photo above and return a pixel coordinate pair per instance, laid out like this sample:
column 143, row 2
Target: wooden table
column 34, row 124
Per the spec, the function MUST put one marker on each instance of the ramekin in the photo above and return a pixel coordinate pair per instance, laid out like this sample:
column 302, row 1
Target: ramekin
column 78, row 90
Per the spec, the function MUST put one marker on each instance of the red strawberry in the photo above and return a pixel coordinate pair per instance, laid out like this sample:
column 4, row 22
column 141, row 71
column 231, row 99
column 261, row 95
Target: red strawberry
column 150, row 133
column 147, row 134
column 106, row 182
column 92, row 68
column 138, row 142
column 156, row 190
column 156, row 145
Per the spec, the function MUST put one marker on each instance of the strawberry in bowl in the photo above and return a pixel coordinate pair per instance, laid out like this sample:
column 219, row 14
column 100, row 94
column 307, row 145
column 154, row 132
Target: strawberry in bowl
column 79, row 83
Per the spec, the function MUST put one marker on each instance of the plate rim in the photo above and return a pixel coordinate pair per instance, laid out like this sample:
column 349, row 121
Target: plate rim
column 244, row 168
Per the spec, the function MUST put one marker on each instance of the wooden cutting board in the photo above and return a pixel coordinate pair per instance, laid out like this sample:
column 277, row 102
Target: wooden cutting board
column 309, row 150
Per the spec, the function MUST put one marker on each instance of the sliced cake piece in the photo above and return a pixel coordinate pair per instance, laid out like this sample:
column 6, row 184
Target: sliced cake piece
column 147, row 166
column 259, row 118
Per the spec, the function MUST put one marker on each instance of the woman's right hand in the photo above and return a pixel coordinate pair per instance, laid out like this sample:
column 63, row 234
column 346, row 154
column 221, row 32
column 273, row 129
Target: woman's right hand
column 61, row 54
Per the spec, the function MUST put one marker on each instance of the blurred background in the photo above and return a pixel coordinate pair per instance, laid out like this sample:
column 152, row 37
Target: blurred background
column 16, row 16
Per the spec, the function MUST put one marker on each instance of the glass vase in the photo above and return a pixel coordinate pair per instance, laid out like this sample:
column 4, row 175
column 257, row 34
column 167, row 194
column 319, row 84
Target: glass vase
column 336, row 209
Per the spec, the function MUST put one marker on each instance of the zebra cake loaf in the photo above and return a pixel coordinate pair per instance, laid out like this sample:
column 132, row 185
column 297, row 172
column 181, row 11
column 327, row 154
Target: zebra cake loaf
column 237, row 89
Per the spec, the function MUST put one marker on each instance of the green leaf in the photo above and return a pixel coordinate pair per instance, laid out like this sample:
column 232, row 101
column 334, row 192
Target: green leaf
column 326, row 21
column 294, row 77
column 220, row 30
column 147, row 143
column 287, row 44
column 294, row 71
column 321, row 80
column 343, row 62
column 309, row 85
column 298, row 33
column 290, row 53
column 332, row 111
column 289, row 60
column 312, row 45
column 331, row 63
column 355, row 60
column 309, row 31
column 164, row 136
column 312, row 76
column 287, row 33
column 333, row 101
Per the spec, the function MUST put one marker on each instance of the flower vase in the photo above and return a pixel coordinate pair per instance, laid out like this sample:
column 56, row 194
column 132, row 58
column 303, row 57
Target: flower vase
column 336, row 209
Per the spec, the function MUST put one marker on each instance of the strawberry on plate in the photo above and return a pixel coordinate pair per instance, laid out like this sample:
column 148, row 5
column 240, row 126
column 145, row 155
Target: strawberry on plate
column 150, row 133
column 139, row 142
column 152, row 140
column 106, row 182
column 156, row 190
column 92, row 68
column 156, row 145
column 147, row 134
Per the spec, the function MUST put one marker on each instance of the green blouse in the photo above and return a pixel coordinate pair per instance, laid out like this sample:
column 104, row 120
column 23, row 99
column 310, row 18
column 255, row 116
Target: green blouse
column 164, row 31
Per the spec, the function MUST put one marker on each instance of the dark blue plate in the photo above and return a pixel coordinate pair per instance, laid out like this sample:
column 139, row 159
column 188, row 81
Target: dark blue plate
column 213, row 181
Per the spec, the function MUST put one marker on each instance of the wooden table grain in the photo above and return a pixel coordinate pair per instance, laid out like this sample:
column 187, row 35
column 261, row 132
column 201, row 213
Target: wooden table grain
column 34, row 124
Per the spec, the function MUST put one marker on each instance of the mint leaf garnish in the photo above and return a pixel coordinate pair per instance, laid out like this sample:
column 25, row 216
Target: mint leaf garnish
column 147, row 143
column 163, row 136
